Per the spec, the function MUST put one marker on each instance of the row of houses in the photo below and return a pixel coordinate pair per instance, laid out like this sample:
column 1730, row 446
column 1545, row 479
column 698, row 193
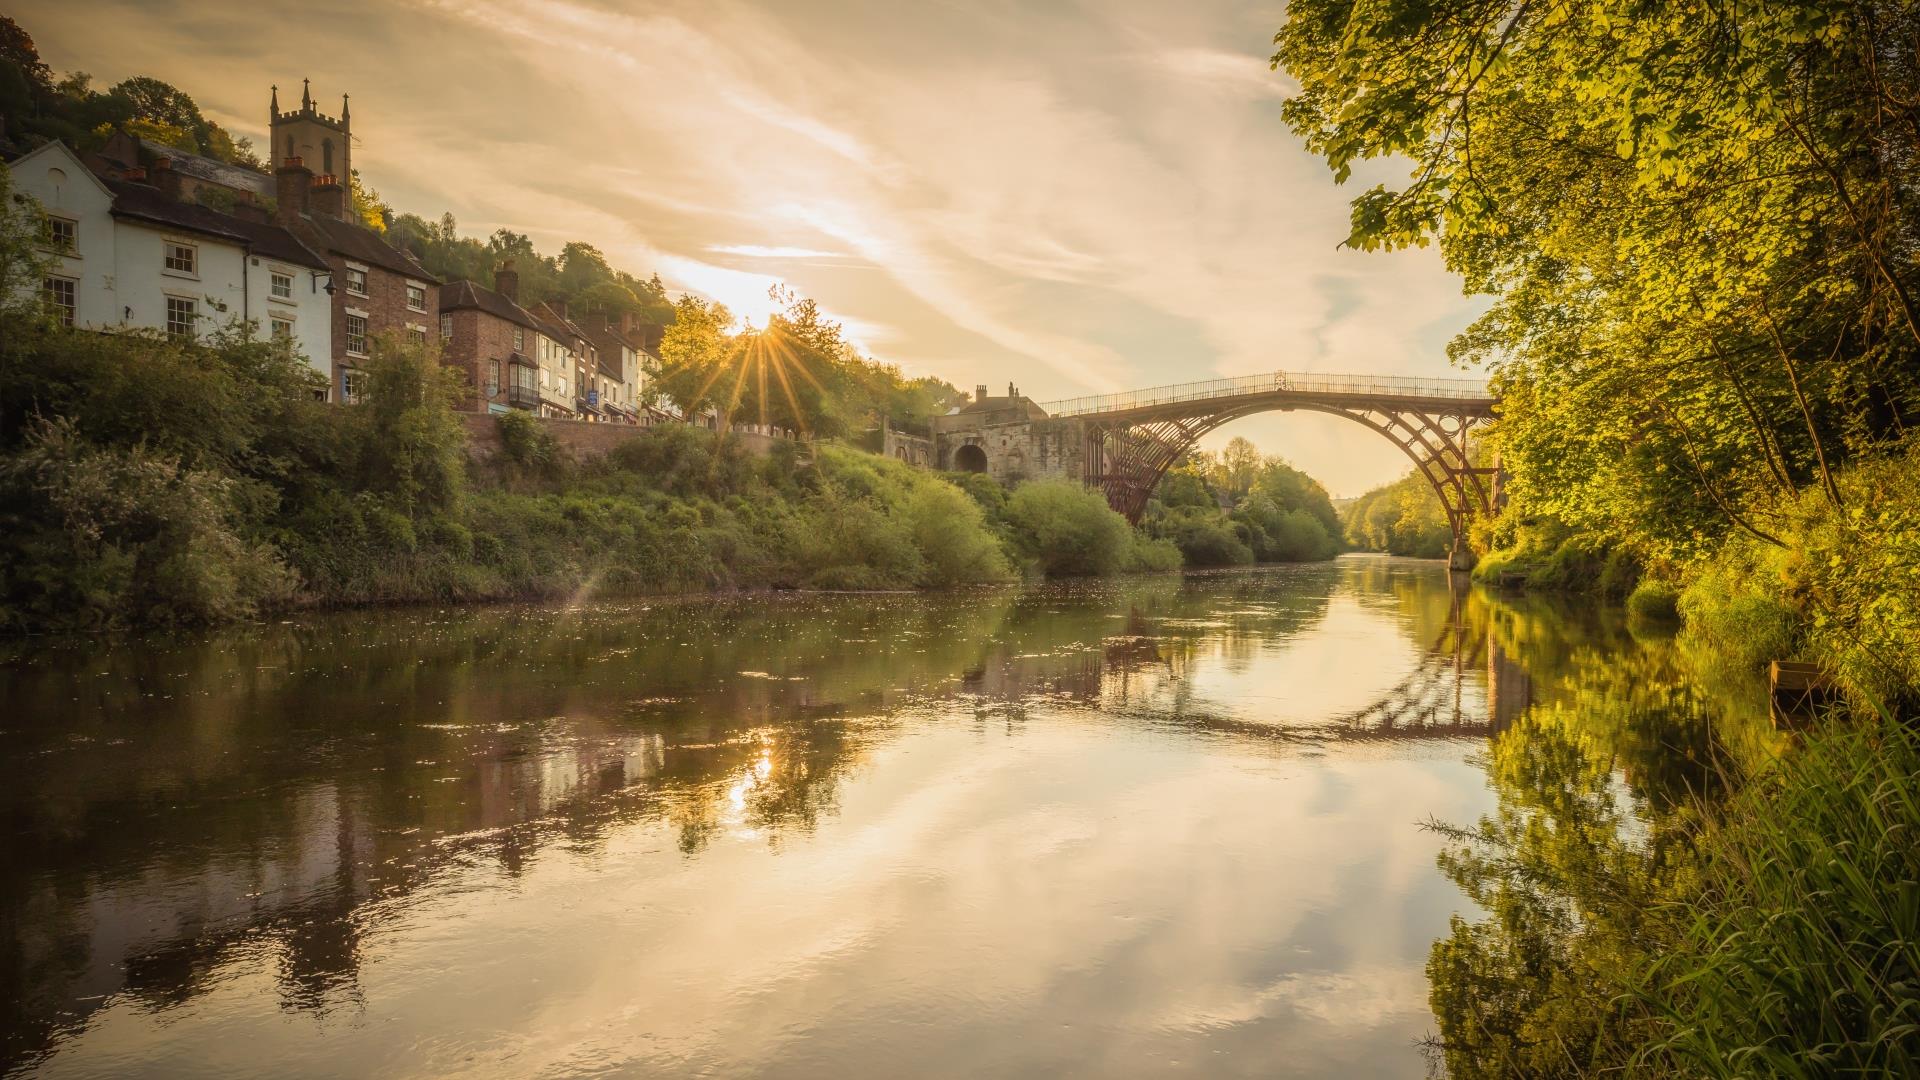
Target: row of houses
column 140, row 235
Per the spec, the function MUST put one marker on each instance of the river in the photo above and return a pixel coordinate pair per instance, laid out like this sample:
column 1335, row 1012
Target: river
column 1165, row 825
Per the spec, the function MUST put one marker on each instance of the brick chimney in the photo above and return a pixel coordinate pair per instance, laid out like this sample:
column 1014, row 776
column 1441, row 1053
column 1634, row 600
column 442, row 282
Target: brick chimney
column 329, row 197
column 166, row 178
column 291, row 183
column 251, row 211
column 506, row 282
column 558, row 307
column 980, row 392
column 626, row 324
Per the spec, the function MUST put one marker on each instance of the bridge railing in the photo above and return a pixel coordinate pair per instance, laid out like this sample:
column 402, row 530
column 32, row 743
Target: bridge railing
column 1383, row 385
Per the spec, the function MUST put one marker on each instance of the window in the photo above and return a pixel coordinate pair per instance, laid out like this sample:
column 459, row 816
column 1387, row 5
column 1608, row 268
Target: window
column 181, row 315
column 563, row 386
column 446, row 328
column 357, row 280
column 356, row 335
column 61, row 234
column 281, row 285
column 416, row 297
column 519, row 339
column 59, row 293
column 282, row 330
column 353, row 386
column 420, row 336
column 181, row 258
column 493, row 378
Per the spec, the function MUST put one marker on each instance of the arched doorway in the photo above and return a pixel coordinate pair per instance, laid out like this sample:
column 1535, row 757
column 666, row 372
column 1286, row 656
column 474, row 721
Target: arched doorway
column 970, row 458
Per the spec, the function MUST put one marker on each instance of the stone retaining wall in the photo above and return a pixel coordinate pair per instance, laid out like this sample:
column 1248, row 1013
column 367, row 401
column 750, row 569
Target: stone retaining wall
column 580, row 438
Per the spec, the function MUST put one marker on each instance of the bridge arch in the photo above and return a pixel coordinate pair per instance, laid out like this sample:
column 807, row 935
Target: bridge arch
column 969, row 457
column 1132, row 439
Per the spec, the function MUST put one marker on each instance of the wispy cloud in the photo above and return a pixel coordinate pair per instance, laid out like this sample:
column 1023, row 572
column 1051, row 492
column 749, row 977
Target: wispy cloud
column 1085, row 197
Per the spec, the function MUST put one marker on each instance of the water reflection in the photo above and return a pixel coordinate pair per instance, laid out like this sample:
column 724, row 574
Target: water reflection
column 366, row 816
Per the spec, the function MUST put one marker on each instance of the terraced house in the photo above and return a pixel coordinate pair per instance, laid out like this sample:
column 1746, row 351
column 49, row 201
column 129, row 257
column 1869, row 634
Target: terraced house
column 126, row 251
column 492, row 340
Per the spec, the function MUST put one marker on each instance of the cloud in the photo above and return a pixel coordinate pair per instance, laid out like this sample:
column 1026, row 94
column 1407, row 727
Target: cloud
column 1083, row 198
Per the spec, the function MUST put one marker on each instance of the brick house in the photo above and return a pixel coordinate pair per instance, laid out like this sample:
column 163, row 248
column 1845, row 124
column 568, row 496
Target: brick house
column 377, row 289
column 493, row 341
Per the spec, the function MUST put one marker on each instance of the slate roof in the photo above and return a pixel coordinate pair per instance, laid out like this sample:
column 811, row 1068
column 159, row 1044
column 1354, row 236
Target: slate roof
column 211, row 170
column 142, row 202
column 362, row 244
column 461, row 295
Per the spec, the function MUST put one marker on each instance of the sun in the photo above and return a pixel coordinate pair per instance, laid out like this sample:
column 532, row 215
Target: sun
column 748, row 296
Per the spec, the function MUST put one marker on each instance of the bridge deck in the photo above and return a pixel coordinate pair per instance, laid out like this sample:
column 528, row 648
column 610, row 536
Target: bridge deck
column 1449, row 395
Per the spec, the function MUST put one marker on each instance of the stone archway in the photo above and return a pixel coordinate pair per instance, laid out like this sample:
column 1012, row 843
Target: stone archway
column 970, row 458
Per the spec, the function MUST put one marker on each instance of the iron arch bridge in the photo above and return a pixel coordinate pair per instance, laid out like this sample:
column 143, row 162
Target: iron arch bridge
column 1132, row 438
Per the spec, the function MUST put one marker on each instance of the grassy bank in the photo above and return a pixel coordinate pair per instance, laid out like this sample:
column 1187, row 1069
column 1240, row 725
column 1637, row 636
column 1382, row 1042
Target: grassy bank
column 146, row 482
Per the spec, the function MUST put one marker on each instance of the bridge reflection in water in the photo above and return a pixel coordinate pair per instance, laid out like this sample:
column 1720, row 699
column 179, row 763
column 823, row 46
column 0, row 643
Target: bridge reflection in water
column 262, row 801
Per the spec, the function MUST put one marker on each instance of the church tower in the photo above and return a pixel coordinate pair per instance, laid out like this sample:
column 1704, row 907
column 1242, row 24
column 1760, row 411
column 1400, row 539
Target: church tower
column 322, row 144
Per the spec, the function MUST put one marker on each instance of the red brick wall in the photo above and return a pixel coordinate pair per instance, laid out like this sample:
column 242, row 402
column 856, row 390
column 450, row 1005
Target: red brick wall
column 478, row 339
column 386, row 308
column 580, row 438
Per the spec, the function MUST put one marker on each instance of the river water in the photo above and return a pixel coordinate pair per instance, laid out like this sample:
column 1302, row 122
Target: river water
column 1167, row 825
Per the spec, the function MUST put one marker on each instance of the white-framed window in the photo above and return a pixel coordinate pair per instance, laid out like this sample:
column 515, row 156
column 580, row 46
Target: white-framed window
column 62, row 297
column 563, row 386
column 282, row 329
column 60, row 234
column 519, row 339
column 353, row 386
column 182, row 313
column 446, row 328
column 280, row 284
column 493, row 378
column 356, row 334
column 180, row 257
column 419, row 335
column 356, row 280
column 416, row 296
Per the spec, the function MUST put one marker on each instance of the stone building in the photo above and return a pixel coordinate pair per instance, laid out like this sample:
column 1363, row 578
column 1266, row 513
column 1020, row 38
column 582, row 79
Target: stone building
column 491, row 340
column 1009, row 438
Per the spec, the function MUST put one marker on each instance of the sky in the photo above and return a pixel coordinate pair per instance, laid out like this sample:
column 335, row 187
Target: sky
column 1075, row 197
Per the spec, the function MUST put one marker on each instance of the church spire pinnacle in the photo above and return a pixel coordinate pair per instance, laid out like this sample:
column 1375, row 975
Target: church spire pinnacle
column 306, row 96
column 276, row 100
column 343, row 108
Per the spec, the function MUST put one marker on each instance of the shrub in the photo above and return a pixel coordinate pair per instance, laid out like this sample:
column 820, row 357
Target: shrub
column 1067, row 530
column 1653, row 599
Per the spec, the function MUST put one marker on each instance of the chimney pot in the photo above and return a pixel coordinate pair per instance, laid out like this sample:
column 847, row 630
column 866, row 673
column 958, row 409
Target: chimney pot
column 980, row 392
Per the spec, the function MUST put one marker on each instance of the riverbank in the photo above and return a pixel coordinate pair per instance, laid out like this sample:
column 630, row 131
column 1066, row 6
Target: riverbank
column 1762, row 916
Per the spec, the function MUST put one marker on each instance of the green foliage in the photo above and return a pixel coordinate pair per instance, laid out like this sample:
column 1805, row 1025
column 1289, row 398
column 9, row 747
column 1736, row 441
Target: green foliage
column 1402, row 518
column 1654, row 599
column 1273, row 512
column 1068, row 531
column 1690, row 220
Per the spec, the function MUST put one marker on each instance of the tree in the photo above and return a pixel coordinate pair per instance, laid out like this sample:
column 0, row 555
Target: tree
column 1694, row 219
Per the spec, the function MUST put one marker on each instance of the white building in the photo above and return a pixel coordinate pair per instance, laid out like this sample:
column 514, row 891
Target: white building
column 130, row 255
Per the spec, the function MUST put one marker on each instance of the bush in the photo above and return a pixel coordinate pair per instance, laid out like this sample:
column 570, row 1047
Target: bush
column 1067, row 530
column 1653, row 599
column 1204, row 539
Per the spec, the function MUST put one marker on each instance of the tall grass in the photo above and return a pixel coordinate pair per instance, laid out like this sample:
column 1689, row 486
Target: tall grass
column 1797, row 952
